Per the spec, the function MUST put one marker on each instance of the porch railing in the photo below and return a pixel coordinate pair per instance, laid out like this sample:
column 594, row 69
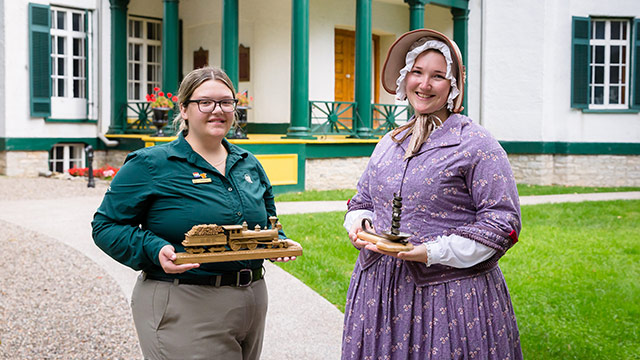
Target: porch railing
column 332, row 118
column 386, row 117
column 139, row 118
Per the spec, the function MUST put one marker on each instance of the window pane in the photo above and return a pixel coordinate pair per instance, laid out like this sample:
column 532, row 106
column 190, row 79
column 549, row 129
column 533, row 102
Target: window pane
column 623, row 95
column 61, row 88
column 76, row 89
column 624, row 31
column 136, row 71
column 614, row 75
column 624, row 55
column 598, row 97
column 151, row 55
column 151, row 31
column 615, row 30
column 599, row 75
column 77, row 47
column 59, row 152
column 61, row 66
column 599, row 58
column 599, row 29
column 61, row 19
column 136, row 52
column 60, row 46
column 615, row 55
column 77, row 22
column 58, row 167
column 77, row 67
column 613, row 95
column 136, row 91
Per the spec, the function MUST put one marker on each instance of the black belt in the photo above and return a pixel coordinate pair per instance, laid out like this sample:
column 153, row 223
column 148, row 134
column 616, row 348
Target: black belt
column 241, row 278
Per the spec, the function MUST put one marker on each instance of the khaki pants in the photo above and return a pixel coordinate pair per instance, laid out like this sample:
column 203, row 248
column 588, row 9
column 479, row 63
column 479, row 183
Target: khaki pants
column 199, row 322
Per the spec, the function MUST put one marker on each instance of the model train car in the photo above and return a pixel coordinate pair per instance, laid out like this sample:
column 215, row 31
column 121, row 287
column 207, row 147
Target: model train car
column 216, row 238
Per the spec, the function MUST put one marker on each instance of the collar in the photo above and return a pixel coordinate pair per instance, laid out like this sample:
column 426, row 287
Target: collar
column 448, row 135
column 181, row 149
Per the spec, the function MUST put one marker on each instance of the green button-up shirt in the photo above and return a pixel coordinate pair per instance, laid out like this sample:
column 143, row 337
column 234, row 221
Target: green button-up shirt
column 153, row 201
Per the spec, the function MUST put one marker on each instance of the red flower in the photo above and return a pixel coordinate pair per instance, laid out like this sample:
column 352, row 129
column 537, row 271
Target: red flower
column 174, row 99
column 169, row 95
column 156, row 89
column 161, row 93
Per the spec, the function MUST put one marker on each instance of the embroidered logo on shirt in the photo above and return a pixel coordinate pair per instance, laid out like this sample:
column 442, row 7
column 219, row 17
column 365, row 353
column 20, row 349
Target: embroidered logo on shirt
column 199, row 178
column 248, row 178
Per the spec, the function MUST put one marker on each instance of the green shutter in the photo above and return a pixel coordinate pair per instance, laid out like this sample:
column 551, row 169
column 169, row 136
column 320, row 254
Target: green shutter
column 635, row 60
column 40, row 60
column 580, row 59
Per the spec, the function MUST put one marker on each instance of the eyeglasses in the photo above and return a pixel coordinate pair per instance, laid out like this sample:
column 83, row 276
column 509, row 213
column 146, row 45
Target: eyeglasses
column 208, row 106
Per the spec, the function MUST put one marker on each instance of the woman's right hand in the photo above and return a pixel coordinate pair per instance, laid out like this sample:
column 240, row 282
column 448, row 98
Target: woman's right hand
column 356, row 227
column 166, row 257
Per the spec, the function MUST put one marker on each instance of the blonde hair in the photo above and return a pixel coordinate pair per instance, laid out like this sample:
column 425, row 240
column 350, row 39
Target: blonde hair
column 190, row 83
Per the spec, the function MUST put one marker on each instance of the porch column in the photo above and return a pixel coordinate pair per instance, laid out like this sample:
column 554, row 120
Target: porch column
column 170, row 43
column 363, row 68
column 299, row 127
column 461, row 37
column 416, row 13
column 118, row 66
column 230, row 40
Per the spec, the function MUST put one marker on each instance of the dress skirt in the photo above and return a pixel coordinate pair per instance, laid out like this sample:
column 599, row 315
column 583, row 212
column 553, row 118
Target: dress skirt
column 388, row 317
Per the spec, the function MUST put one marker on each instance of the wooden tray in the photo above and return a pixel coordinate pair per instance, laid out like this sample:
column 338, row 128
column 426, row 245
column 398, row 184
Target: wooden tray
column 186, row 258
column 384, row 244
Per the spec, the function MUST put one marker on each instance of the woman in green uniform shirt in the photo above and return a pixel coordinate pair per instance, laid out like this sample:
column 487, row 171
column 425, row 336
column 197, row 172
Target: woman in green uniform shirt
column 212, row 310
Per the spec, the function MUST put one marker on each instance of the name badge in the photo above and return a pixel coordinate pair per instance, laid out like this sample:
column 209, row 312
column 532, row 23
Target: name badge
column 201, row 181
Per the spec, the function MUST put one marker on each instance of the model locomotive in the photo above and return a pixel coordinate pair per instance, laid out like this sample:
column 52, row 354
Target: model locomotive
column 216, row 238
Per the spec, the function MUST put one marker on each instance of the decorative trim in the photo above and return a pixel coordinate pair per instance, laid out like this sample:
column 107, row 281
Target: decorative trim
column 271, row 128
column 611, row 111
column 570, row 148
column 40, row 144
column 78, row 121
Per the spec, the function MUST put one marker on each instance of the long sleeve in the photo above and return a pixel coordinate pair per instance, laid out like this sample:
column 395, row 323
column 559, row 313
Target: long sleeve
column 495, row 196
column 457, row 251
column 117, row 223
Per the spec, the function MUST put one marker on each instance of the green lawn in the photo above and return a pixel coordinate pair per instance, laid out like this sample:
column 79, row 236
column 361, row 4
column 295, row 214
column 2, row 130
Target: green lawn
column 574, row 275
column 523, row 190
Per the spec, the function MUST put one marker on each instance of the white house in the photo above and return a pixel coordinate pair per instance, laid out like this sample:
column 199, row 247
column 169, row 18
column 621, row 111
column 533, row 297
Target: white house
column 557, row 82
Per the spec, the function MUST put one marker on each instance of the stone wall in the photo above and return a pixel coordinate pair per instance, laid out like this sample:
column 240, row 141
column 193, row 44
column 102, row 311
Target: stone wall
column 336, row 173
column 114, row 158
column 535, row 169
column 23, row 163
column 577, row 170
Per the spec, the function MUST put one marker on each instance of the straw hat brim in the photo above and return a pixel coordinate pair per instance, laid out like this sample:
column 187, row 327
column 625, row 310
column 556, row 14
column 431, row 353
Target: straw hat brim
column 396, row 61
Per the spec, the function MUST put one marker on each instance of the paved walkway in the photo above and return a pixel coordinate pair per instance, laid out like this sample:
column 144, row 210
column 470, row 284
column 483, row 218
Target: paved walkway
column 300, row 323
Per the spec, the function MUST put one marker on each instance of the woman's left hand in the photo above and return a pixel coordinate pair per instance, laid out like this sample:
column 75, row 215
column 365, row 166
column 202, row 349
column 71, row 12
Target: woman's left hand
column 287, row 258
column 418, row 253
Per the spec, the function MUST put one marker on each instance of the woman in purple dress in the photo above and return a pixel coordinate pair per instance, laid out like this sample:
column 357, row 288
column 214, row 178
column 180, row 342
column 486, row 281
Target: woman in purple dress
column 446, row 298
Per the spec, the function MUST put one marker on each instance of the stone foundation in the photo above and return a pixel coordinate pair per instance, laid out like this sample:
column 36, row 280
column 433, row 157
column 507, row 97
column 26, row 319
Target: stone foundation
column 23, row 163
column 577, row 170
column 335, row 173
column 114, row 158
column 344, row 173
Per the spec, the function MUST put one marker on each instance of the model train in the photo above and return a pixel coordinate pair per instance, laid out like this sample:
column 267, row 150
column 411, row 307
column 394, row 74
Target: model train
column 216, row 238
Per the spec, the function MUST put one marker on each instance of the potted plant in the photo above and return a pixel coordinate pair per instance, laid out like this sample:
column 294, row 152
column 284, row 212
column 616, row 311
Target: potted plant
column 243, row 105
column 160, row 104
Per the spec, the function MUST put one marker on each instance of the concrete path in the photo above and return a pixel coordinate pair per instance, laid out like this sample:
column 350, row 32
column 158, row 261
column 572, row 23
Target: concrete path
column 300, row 323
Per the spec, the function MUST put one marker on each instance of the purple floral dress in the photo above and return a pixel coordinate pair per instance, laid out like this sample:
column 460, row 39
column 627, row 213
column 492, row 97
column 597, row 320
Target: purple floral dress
column 460, row 183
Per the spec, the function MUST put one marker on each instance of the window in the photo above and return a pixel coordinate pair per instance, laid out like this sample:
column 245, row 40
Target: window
column 61, row 64
column 609, row 48
column 144, row 55
column 605, row 64
column 68, row 53
column 63, row 157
